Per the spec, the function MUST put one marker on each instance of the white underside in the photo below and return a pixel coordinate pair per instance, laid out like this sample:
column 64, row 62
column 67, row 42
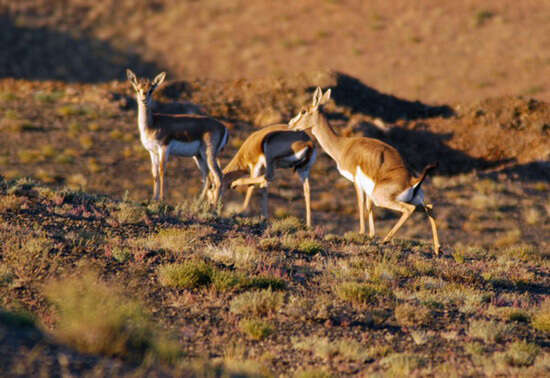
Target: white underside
column 289, row 161
column 364, row 181
column 407, row 196
column 183, row 148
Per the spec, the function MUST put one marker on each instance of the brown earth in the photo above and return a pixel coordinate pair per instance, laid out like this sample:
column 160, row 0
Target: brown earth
column 436, row 51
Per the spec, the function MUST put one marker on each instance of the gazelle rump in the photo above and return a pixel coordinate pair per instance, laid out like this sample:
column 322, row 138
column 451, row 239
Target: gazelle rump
column 188, row 135
column 376, row 169
column 271, row 147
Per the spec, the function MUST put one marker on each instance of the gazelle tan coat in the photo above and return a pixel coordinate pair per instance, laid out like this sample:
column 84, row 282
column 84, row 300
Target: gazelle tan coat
column 189, row 135
column 376, row 169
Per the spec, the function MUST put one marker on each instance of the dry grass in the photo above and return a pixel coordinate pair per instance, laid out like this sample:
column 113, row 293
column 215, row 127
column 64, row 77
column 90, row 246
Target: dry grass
column 541, row 317
column 256, row 329
column 95, row 317
column 257, row 303
column 489, row 331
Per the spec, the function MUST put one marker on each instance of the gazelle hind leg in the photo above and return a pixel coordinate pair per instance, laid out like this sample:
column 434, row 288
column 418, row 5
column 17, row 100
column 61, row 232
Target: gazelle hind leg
column 405, row 208
column 371, row 216
column 361, row 206
column 201, row 164
column 216, row 174
column 429, row 212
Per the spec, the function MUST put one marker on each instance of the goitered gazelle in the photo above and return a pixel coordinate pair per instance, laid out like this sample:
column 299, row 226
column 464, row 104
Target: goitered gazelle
column 178, row 134
column 376, row 168
column 272, row 147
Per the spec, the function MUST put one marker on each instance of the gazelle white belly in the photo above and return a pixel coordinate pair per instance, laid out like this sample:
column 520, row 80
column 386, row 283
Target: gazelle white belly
column 365, row 182
column 184, row 148
column 346, row 174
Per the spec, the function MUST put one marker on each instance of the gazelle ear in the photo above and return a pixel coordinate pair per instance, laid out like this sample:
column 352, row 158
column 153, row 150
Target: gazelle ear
column 317, row 96
column 131, row 77
column 293, row 121
column 159, row 79
column 325, row 98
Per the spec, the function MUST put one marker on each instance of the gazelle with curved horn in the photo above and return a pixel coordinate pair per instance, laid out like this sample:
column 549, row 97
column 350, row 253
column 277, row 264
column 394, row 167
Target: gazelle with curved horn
column 189, row 135
column 271, row 147
column 376, row 169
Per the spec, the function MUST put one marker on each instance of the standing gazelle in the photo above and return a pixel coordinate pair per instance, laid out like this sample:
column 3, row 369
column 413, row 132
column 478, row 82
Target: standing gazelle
column 272, row 147
column 376, row 169
column 177, row 134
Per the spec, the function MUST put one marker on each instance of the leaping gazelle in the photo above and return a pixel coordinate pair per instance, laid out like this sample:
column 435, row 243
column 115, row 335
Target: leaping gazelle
column 178, row 134
column 271, row 147
column 376, row 169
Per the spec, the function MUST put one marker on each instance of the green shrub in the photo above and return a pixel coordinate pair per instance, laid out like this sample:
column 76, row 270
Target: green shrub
column 256, row 329
column 187, row 275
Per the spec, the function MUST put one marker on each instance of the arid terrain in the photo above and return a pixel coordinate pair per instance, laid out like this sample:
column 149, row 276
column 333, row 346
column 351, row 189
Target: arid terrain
column 97, row 280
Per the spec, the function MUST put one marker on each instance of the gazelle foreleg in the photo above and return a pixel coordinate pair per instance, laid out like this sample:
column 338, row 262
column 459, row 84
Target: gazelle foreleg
column 429, row 212
column 163, row 161
column 304, row 177
column 155, row 173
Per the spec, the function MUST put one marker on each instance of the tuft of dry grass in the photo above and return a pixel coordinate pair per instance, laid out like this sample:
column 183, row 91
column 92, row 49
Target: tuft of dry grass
column 128, row 213
column 408, row 315
column 257, row 303
column 286, row 225
column 541, row 317
column 402, row 364
column 256, row 329
column 489, row 331
column 521, row 353
column 96, row 317
column 362, row 293
column 10, row 202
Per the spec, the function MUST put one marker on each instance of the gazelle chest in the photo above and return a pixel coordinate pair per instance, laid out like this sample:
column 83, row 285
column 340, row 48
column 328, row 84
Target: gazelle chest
column 150, row 144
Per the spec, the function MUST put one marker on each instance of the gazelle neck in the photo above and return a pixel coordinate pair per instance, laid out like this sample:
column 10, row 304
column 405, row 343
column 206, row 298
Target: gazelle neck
column 326, row 137
column 145, row 116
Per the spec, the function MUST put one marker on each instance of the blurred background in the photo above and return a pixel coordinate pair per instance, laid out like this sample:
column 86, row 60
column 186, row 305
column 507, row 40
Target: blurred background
column 438, row 51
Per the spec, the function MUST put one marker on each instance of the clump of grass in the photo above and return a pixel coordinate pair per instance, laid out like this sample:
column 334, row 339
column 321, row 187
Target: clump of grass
column 269, row 244
column 223, row 280
column 408, row 315
column 256, row 329
column 488, row 331
column 128, row 213
column 10, row 202
column 257, row 303
column 94, row 166
column 86, row 141
column 187, row 275
column 286, row 225
column 171, row 239
column 402, row 364
column 312, row 373
column 96, row 317
column 361, row 293
column 121, row 254
column 29, row 156
column 541, row 318
column 324, row 348
column 532, row 215
column 236, row 251
column 356, row 238
column 523, row 251
column 521, row 353
column 310, row 247
column 48, row 97
column 6, row 275
column 509, row 238
column 69, row 110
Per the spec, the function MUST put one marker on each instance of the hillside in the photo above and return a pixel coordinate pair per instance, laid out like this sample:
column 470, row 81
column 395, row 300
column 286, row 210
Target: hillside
column 98, row 280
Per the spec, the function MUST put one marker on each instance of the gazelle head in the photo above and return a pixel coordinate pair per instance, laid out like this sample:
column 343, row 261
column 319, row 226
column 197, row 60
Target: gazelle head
column 143, row 87
column 309, row 115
